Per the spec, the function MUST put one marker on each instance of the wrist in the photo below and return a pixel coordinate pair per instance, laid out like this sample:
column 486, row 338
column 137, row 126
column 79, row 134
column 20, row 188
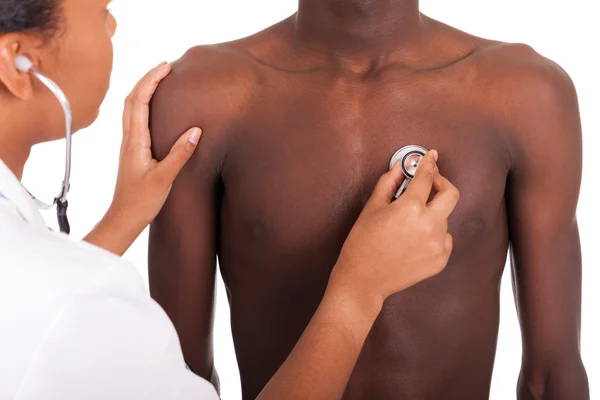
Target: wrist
column 123, row 224
column 115, row 232
column 127, row 219
column 357, row 297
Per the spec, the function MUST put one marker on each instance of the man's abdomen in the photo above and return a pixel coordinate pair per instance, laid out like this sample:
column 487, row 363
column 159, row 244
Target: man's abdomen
column 433, row 341
column 430, row 343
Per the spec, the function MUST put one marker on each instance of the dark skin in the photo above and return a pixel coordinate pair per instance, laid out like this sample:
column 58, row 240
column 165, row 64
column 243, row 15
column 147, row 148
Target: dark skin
column 299, row 122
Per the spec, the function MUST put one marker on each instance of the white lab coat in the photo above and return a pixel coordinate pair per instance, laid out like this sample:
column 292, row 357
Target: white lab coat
column 77, row 322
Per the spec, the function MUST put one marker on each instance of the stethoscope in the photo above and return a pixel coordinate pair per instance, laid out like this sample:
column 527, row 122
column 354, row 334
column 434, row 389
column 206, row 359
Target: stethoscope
column 409, row 158
column 25, row 65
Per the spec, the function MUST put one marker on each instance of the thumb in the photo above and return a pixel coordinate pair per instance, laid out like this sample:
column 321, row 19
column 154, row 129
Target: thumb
column 179, row 155
column 387, row 187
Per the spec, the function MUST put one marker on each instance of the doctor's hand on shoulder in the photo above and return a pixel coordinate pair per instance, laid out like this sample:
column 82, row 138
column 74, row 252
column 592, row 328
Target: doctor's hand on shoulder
column 143, row 183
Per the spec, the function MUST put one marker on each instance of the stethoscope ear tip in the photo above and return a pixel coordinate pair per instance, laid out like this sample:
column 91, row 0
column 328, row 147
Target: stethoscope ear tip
column 23, row 63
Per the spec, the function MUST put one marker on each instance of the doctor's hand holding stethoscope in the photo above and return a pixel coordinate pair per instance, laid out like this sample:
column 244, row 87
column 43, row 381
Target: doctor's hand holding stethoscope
column 77, row 322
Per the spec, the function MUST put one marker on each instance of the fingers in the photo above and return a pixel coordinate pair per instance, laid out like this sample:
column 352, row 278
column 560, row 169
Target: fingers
column 129, row 99
column 387, row 186
column 180, row 153
column 136, row 114
column 420, row 187
column 446, row 198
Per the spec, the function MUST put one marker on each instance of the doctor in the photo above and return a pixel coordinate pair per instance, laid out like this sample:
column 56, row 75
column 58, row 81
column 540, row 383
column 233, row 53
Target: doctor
column 76, row 321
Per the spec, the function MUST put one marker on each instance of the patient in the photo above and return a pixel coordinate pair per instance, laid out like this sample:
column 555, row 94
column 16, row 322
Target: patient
column 299, row 122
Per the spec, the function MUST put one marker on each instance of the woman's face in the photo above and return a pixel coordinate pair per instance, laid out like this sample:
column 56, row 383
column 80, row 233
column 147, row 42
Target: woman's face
column 77, row 55
column 79, row 58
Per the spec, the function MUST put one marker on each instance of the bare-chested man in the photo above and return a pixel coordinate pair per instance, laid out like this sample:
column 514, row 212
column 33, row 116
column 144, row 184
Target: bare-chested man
column 299, row 122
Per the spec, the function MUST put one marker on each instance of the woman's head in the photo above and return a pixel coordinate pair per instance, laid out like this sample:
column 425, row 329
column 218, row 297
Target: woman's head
column 67, row 40
column 29, row 15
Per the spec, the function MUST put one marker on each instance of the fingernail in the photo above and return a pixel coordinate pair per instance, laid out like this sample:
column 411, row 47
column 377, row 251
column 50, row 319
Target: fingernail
column 398, row 165
column 435, row 155
column 161, row 64
column 194, row 137
column 165, row 66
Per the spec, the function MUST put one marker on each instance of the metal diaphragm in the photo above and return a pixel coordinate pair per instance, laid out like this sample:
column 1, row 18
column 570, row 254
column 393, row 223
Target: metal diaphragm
column 409, row 157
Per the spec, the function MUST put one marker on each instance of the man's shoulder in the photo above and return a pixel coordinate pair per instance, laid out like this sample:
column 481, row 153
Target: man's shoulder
column 215, row 68
column 496, row 63
column 524, row 96
column 213, row 73
column 221, row 78
column 517, row 71
column 515, row 84
column 209, row 87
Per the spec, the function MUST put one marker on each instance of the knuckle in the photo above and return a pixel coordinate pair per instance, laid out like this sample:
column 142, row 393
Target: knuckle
column 435, row 248
column 135, row 98
column 454, row 193
column 385, row 179
column 181, row 156
column 434, row 268
column 429, row 166
column 186, row 151
column 440, row 265
column 450, row 241
column 432, row 163
column 147, row 78
column 411, row 203
column 446, row 256
column 428, row 172
column 413, row 207
column 428, row 223
column 428, row 227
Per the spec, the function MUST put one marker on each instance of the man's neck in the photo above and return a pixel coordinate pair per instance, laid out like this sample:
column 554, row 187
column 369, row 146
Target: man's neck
column 357, row 28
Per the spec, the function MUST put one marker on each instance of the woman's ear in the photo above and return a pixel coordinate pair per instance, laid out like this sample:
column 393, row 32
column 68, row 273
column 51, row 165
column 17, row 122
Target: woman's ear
column 18, row 83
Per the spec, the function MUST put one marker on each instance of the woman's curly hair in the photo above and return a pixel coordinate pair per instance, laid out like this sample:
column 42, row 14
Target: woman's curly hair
column 40, row 16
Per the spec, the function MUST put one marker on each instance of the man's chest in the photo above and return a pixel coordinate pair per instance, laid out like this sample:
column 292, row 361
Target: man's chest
column 303, row 166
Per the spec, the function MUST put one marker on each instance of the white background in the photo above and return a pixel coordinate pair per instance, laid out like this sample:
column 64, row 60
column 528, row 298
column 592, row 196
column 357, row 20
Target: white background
column 152, row 30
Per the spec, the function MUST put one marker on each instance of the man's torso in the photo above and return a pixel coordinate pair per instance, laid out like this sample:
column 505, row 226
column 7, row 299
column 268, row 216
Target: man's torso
column 300, row 159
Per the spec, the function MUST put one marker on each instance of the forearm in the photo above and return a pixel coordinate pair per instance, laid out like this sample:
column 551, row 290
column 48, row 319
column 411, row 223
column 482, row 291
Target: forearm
column 116, row 232
column 320, row 365
column 567, row 381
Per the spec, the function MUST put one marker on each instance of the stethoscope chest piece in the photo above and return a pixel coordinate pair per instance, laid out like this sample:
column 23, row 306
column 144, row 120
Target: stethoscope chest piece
column 409, row 158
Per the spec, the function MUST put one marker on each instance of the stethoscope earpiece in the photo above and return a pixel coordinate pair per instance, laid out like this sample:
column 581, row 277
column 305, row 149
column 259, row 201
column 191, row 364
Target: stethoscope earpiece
column 409, row 158
column 23, row 64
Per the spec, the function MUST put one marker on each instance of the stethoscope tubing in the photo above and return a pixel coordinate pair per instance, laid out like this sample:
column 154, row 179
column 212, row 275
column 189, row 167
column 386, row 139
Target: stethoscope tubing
column 61, row 199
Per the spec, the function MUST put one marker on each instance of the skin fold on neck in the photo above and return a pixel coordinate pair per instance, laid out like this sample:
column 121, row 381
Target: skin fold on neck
column 357, row 29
